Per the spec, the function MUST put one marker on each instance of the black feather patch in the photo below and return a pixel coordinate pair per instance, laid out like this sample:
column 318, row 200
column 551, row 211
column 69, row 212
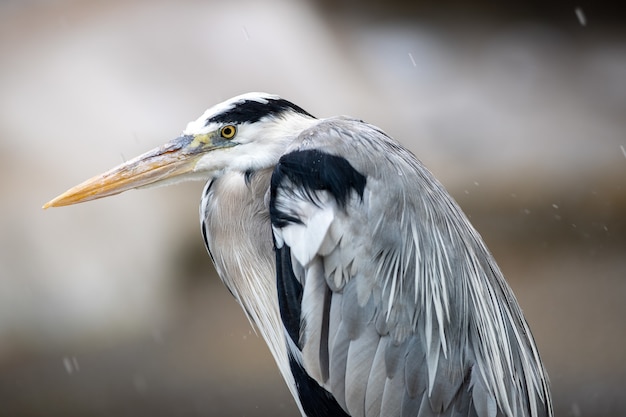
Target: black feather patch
column 252, row 111
column 203, row 227
column 314, row 170
column 289, row 293
column 316, row 401
column 248, row 177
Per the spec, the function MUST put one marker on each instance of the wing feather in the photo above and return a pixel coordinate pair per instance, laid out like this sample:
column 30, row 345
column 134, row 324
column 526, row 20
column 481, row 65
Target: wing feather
column 483, row 401
column 416, row 374
column 361, row 355
column 314, row 322
column 376, row 380
column 392, row 395
column 338, row 364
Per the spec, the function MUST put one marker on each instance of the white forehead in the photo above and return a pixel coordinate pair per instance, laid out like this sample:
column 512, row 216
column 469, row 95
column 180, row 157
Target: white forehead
column 199, row 125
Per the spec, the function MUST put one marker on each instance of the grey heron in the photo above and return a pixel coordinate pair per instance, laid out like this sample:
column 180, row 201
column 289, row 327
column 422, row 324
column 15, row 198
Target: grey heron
column 374, row 293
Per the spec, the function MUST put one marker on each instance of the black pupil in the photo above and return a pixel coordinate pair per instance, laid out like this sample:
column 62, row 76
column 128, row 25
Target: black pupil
column 227, row 131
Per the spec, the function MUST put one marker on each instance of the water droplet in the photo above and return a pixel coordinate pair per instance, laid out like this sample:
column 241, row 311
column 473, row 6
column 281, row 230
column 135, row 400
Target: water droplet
column 245, row 33
column 582, row 19
column 412, row 60
column 71, row 364
column 67, row 363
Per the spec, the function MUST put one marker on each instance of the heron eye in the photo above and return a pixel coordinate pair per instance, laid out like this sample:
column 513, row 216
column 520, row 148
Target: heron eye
column 227, row 132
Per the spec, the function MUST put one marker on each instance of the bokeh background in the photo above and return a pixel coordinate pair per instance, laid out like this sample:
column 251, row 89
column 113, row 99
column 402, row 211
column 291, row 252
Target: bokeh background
column 112, row 308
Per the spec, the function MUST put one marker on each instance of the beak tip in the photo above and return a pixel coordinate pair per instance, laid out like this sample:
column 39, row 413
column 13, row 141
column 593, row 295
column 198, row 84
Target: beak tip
column 48, row 205
column 55, row 202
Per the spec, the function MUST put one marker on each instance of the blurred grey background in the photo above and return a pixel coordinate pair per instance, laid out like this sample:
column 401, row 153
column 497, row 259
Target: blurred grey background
column 112, row 308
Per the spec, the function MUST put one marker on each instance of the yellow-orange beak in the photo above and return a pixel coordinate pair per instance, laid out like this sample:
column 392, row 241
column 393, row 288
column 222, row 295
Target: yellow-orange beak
column 171, row 160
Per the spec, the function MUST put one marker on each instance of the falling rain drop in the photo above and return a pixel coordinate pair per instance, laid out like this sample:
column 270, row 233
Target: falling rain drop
column 582, row 19
column 71, row 364
column 245, row 33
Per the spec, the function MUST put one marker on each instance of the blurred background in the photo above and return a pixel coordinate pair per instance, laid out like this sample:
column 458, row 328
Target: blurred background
column 112, row 308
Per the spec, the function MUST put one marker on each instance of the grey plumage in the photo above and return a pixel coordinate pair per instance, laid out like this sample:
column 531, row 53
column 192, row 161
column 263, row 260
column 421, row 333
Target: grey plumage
column 424, row 274
column 413, row 319
column 373, row 291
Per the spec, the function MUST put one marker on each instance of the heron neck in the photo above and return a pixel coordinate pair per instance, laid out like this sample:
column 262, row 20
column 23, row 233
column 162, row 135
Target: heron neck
column 237, row 231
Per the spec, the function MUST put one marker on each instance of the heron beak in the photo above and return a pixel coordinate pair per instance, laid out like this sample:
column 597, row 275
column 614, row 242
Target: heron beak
column 173, row 159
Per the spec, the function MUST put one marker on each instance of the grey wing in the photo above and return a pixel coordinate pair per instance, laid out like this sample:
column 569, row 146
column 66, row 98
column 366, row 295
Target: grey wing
column 392, row 304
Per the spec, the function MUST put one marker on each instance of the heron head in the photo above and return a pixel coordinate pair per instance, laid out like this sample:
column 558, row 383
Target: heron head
column 247, row 132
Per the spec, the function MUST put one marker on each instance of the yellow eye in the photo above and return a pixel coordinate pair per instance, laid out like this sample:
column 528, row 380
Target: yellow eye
column 228, row 131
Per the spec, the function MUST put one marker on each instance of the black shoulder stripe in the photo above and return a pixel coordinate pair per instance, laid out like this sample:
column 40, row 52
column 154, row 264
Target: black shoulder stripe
column 252, row 111
column 315, row 400
column 289, row 293
column 315, row 170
